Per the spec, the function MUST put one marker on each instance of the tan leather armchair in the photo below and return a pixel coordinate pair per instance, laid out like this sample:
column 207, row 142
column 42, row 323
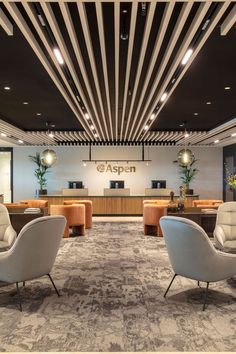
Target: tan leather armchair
column 225, row 229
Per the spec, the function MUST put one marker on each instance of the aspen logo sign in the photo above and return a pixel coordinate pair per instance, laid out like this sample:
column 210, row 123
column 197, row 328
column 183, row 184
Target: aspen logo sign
column 115, row 169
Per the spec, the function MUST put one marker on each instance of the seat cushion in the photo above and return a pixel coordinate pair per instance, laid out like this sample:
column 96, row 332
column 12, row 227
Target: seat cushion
column 3, row 246
column 230, row 246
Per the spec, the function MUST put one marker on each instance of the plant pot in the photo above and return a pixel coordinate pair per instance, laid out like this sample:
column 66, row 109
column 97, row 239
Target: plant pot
column 42, row 191
column 189, row 191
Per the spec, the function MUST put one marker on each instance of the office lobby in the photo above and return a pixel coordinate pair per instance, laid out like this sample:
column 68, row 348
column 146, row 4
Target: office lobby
column 117, row 118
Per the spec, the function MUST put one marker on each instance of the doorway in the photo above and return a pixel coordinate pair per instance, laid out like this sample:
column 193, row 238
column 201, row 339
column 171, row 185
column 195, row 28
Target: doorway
column 6, row 181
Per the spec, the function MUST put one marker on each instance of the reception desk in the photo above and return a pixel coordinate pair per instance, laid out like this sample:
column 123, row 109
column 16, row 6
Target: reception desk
column 115, row 205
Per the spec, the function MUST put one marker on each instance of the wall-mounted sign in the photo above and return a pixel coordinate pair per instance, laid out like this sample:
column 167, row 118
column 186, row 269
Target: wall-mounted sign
column 115, row 169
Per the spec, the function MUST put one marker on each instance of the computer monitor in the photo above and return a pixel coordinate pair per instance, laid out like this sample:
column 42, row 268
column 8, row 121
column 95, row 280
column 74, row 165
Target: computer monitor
column 75, row 184
column 117, row 184
column 158, row 183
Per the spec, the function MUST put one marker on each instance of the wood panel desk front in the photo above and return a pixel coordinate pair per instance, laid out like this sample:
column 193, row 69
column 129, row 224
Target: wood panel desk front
column 116, row 205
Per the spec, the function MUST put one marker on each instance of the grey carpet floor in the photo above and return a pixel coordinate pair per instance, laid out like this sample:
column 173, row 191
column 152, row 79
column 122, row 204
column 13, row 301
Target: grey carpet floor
column 112, row 283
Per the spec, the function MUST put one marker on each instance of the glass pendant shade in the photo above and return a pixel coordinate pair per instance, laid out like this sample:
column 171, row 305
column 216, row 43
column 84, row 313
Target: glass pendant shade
column 48, row 157
column 185, row 157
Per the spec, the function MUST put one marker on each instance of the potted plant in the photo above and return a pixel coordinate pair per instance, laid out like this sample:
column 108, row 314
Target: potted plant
column 40, row 173
column 187, row 174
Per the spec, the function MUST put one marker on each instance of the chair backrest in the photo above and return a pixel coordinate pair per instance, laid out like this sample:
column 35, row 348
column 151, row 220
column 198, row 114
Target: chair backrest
column 226, row 218
column 207, row 202
column 35, row 249
column 4, row 221
column 35, row 203
column 190, row 251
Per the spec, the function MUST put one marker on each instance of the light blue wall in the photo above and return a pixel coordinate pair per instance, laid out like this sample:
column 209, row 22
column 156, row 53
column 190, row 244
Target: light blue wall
column 208, row 183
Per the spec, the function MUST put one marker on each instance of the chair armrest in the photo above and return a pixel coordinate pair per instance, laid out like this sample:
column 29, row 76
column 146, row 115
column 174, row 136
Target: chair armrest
column 10, row 235
column 219, row 235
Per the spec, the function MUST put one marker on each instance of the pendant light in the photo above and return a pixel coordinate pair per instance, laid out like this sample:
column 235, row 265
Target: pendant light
column 48, row 157
column 185, row 156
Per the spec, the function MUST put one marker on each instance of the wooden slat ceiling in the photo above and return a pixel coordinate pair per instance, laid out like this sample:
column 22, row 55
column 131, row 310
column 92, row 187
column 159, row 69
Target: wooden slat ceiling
column 114, row 85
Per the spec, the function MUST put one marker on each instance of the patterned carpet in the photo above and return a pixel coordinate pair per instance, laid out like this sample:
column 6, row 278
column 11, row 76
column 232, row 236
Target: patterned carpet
column 112, row 283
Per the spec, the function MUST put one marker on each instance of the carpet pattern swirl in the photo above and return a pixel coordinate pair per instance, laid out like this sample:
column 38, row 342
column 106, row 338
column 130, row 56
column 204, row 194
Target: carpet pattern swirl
column 112, row 283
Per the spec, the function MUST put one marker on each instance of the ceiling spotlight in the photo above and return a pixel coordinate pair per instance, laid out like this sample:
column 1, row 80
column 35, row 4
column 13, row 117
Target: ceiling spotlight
column 234, row 134
column 51, row 135
column 152, row 116
column 209, row 102
column 146, row 127
column 86, row 115
column 186, row 135
column 163, row 97
column 95, row 135
column 41, row 20
column 20, row 141
column 84, row 164
column 181, row 125
column 124, row 35
column 196, row 114
column 78, row 98
column 187, row 56
column 25, row 103
column 205, row 24
column 216, row 141
column 7, row 88
column 3, row 134
column 38, row 114
column 58, row 56
column 143, row 8
column 92, row 127
column 227, row 87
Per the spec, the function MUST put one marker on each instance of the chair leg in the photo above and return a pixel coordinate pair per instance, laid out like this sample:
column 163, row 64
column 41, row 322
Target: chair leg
column 24, row 283
column 198, row 283
column 18, row 294
column 170, row 285
column 205, row 297
column 58, row 294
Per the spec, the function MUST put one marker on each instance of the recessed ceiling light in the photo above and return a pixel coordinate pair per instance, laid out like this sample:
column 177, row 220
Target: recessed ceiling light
column 3, row 134
column 146, row 127
column 7, row 88
column 91, row 126
column 86, row 115
column 95, row 135
column 216, row 141
column 163, row 97
column 38, row 114
column 124, row 11
column 51, row 135
column 152, row 116
column 186, row 135
column 58, row 56
column 187, row 56
column 25, row 102
column 227, row 87
column 20, row 141
column 181, row 125
column 234, row 134
column 209, row 102
column 195, row 113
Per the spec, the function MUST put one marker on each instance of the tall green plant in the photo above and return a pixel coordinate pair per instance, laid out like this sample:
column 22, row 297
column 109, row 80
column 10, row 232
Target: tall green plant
column 188, row 173
column 41, row 170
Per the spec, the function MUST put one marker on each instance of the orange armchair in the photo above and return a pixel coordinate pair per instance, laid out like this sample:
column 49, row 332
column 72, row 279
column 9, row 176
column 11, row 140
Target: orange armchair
column 75, row 216
column 88, row 209
column 207, row 203
column 151, row 218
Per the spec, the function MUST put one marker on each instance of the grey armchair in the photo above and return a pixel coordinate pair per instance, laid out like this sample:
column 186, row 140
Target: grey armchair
column 192, row 254
column 7, row 233
column 225, row 230
column 34, row 252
